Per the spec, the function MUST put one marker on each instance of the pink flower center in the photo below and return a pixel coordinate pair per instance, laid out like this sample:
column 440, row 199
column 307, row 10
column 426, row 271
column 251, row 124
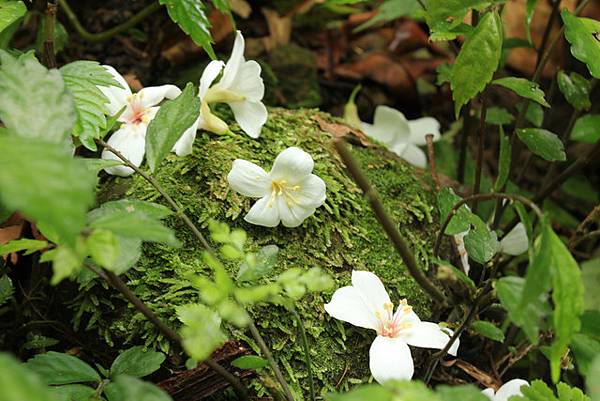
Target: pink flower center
column 392, row 324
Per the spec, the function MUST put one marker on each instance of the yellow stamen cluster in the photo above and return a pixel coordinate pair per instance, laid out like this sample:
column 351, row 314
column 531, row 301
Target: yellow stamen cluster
column 281, row 188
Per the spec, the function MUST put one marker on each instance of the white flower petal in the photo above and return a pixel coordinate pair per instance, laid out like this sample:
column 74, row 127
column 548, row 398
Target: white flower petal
column 389, row 126
column 249, row 179
column 426, row 335
column 510, row 388
column 390, row 359
column 414, row 155
column 292, row 165
column 234, row 63
column 371, row 289
column 210, row 73
column 489, row 393
column 130, row 142
column 251, row 116
column 516, row 241
column 263, row 213
column 248, row 82
column 117, row 97
column 184, row 144
column 153, row 95
column 312, row 192
column 292, row 215
column 347, row 305
column 420, row 127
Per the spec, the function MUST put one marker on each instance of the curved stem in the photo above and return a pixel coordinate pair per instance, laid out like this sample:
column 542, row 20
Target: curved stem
column 267, row 354
column 387, row 223
column 480, row 149
column 306, row 350
column 109, row 33
column 478, row 198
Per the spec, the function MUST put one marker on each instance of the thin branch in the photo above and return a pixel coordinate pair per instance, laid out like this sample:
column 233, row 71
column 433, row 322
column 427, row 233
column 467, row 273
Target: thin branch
column 108, row 34
column 387, row 223
column 306, row 349
column 49, row 25
column 431, row 155
column 480, row 149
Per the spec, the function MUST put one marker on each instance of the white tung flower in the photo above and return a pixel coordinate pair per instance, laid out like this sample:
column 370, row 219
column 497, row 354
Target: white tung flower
column 367, row 304
column 515, row 242
column 140, row 109
column 288, row 193
column 504, row 393
column 402, row 136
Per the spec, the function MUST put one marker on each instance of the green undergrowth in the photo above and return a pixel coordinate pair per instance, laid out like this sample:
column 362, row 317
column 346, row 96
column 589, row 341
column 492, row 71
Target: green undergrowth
column 341, row 236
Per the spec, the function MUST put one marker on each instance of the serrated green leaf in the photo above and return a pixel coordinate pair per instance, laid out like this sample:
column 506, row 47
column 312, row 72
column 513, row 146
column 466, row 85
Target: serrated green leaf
column 81, row 79
column 136, row 225
column 249, row 362
column 503, row 160
column 587, row 129
column 371, row 392
column 477, row 61
column 58, row 368
column 460, row 393
column 172, row 120
column 576, row 90
column 66, row 260
column 585, row 348
column 590, row 270
column 543, row 143
column 6, row 289
column 534, row 113
column 258, row 265
column 524, row 88
column 201, row 331
column 24, row 244
column 452, row 10
column 149, row 209
column 488, row 329
column 461, row 220
column 19, row 383
column 137, row 362
column 46, row 184
column 103, row 247
column 34, row 101
column 498, row 116
column 127, row 388
column 191, row 17
column 10, row 12
column 481, row 242
column 74, row 392
column 584, row 36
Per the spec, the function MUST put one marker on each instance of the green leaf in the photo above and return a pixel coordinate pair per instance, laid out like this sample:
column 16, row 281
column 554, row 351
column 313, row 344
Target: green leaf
column 593, row 386
column 46, row 184
column 103, row 247
column 534, row 113
column 66, row 260
column 524, row 88
column 543, row 143
column 460, row 393
column 503, row 160
column 590, row 271
column 136, row 225
column 529, row 13
column 371, row 392
column 477, row 61
column 10, row 12
column 250, row 362
column 6, row 289
column 567, row 296
column 537, row 390
column 130, row 251
column 585, row 348
column 57, row 368
column 34, row 101
column 149, row 209
column 498, row 116
column 453, row 10
column 488, row 329
column 201, row 331
column 127, row 388
column 390, row 10
column 74, row 392
column 587, row 129
column 137, row 362
column 28, row 245
column 172, row 120
column 191, row 17
column 583, row 35
column 21, row 384
column 481, row 242
column 576, row 90
column 258, row 265
column 81, row 78
column 461, row 220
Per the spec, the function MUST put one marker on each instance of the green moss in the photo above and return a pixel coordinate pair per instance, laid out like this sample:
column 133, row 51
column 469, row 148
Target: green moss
column 342, row 235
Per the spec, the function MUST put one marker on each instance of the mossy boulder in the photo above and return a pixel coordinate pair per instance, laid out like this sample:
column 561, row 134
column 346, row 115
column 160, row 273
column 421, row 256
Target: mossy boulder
column 341, row 236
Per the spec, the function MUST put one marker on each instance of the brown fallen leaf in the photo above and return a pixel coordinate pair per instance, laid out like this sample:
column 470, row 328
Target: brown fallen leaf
column 484, row 378
column 342, row 131
column 12, row 229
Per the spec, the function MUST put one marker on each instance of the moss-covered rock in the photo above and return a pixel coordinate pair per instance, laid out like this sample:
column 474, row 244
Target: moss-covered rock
column 341, row 236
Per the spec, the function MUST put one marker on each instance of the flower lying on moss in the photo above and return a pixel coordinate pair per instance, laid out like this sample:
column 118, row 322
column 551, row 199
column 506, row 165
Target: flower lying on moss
column 367, row 304
column 402, row 136
column 288, row 193
column 140, row 109
column 507, row 390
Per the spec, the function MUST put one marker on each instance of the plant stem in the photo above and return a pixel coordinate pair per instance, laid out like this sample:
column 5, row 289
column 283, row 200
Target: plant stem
column 168, row 332
column 481, row 197
column 387, row 223
column 306, row 349
column 480, row 149
column 48, row 56
column 267, row 354
column 108, row 34
column 432, row 167
column 464, row 143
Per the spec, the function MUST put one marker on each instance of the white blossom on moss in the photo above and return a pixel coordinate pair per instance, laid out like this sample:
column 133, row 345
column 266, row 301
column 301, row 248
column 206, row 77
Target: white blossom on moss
column 289, row 193
column 509, row 389
column 367, row 304
column 402, row 136
column 140, row 109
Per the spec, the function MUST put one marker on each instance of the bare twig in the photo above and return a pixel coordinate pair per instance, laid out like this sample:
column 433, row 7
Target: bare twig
column 480, row 149
column 431, row 154
column 49, row 25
